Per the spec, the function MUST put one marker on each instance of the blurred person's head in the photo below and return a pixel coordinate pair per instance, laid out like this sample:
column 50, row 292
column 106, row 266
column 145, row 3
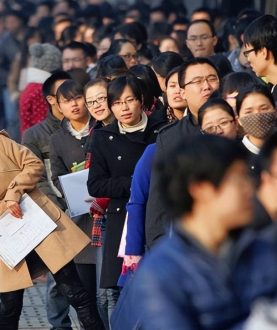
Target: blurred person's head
column 147, row 52
column 134, row 32
column 158, row 14
column 233, row 83
column 15, row 21
column 206, row 171
column 163, row 63
column 201, row 38
column 110, row 67
column 217, row 117
column 126, row 49
column 201, row 13
column 59, row 25
column 149, row 82
column 168, row 44
column 75, row 55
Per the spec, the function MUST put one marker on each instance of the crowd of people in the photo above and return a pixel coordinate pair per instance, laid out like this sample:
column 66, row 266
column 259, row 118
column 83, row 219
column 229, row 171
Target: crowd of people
column 175, row 119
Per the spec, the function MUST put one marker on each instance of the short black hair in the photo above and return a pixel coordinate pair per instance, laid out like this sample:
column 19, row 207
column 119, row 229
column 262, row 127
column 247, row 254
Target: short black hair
column 203, row 10
column 134, row 31
column 236, row 81
column 210, row 25
column 262, row 33
column 110, row 65
column 256, row 89
column 69, row 89
column 116, row 87
column 214, row 102
column 195, row 159
column 77, row 45
column 165, row 62
column 116, row 46
column 194, row 61
column 47, row 87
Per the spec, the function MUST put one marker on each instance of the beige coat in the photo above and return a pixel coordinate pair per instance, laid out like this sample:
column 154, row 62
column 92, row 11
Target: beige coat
column 20, row 171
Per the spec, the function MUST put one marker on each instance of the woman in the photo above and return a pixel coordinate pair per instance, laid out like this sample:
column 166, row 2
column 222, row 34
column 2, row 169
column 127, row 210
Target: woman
column 20, row 172
column 126, row 49
column 257, row 116
column 217, row 117
column 67, row 148
column 95, row 93
column 116, row 149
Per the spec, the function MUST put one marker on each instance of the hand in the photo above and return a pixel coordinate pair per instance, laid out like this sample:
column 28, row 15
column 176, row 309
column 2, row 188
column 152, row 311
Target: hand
column 14, row 209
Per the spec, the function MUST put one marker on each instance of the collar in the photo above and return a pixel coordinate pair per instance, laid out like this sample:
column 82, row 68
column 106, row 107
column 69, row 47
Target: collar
column 139, row 127
column 250, row 146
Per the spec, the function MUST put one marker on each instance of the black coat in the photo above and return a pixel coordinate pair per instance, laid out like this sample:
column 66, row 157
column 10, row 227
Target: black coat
column 157, row 218
column 114, row 157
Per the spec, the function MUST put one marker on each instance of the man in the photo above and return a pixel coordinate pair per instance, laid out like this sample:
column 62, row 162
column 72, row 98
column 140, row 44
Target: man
column 37, row 138
column 199, row 79
column 75, row 55
column 183, row 283
column 201, row 38
column 260, row 40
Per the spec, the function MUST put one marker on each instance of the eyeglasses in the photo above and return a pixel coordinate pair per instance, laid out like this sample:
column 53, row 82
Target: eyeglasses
column 98, row 100
column 247, row 52
column 213, row 129
column 203, row 37
column 130, row 56
column 129, row 101
column 200, row 80
column 74, row 60
column 77, row 98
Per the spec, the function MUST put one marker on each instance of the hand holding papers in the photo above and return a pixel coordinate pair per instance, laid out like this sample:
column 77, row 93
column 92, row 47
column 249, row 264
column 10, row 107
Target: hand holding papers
column 76, row 193
column 18, row 237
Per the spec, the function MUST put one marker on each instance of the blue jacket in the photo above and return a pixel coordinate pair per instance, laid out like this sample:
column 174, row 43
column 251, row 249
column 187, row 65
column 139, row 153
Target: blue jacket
column 179, row 285
column 136, row 207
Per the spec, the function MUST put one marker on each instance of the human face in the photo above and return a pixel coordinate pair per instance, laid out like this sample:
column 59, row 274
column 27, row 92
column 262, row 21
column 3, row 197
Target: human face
column 218, row 122
column 129, row 54
column 173, row 93
column 127, row 109
column 256, row 60
column 200, row 80
column 200, row 40
column 103, row 46
column 96, row 102
column 255, row 103
column 231, row 99
column 73, row 109
column 234, row 195
column 168, row 45
column 73, row 59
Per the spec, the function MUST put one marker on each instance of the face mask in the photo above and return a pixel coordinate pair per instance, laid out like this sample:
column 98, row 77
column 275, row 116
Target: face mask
column 258, row 125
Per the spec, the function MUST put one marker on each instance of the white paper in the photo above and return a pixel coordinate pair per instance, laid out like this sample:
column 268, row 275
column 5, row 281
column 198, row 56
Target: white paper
column 18, row 237
column 123, row 241
column 76, row 194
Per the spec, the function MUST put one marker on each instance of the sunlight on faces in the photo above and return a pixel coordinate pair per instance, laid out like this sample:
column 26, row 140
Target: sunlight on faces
column 103, row 46
column 231, row 99
column 200, row 40
column 127, row 109
column 73, row 108
column 197, row 94
column 173, row 93
column 96, row 101
column 255, row 103
column 218, row 122
column 257, row 60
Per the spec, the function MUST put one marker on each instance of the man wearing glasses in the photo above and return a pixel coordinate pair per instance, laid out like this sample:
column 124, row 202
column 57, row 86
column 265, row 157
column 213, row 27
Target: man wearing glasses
column 198, row 80
column 260, row 39
column 201, row 38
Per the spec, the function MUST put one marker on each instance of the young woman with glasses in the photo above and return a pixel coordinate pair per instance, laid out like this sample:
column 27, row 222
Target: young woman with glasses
column 116, row 150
